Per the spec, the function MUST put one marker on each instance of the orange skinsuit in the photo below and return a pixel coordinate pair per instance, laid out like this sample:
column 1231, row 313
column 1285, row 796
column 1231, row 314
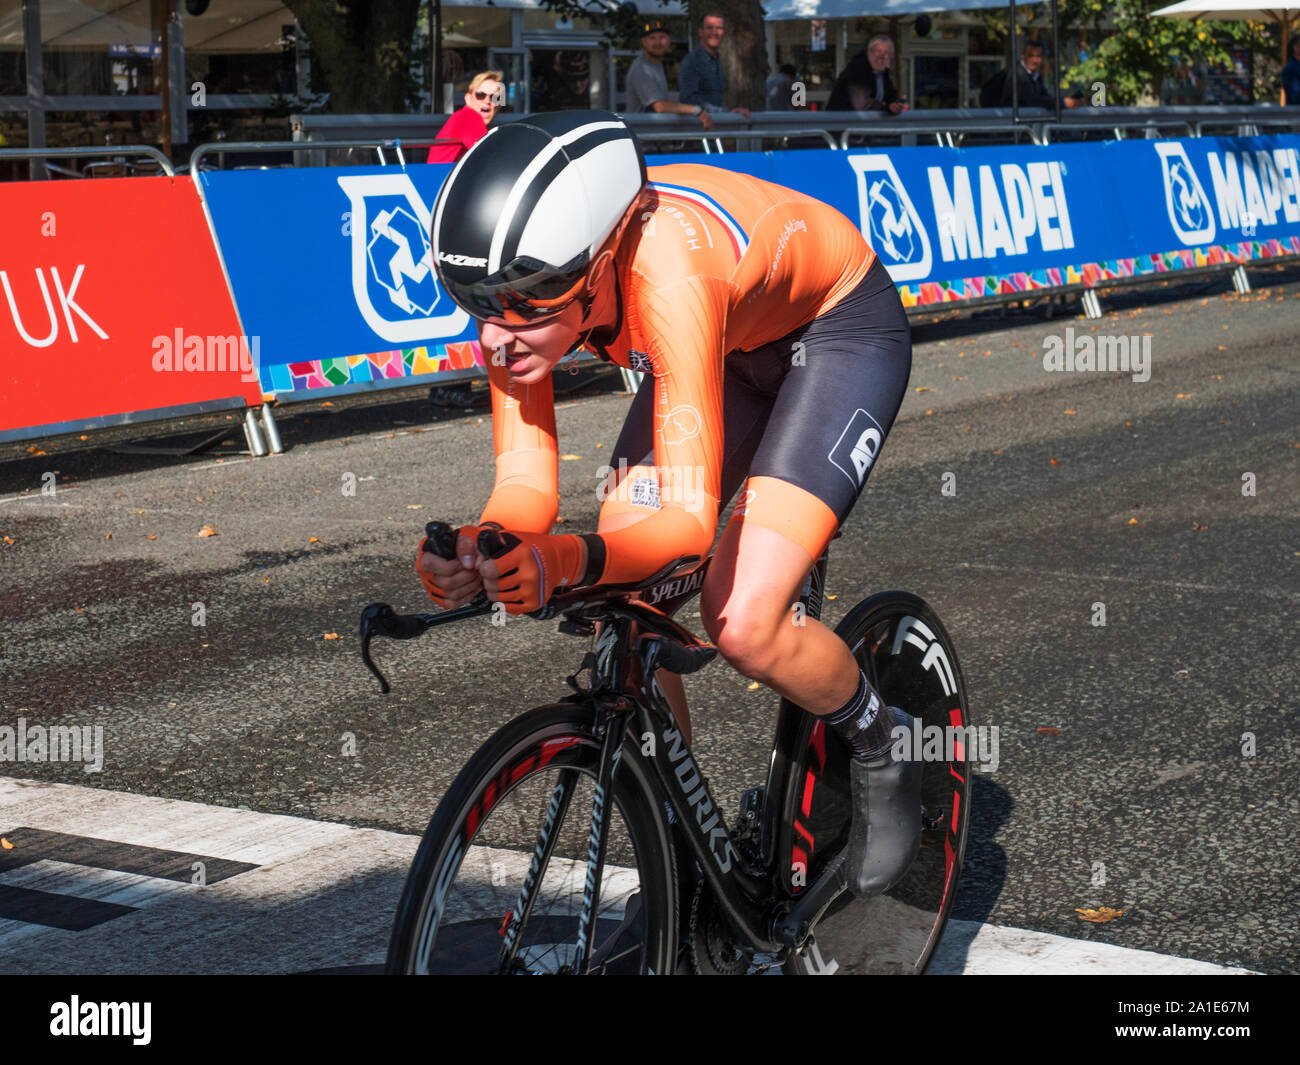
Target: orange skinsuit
column 716, row 262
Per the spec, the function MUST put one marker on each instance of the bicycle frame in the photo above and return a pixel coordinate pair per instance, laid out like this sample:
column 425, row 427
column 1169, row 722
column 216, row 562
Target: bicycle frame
column 624, row 687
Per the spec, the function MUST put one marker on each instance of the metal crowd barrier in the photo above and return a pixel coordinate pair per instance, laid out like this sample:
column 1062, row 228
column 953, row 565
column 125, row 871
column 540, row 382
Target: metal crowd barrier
column 221, row 147
column 125, row 151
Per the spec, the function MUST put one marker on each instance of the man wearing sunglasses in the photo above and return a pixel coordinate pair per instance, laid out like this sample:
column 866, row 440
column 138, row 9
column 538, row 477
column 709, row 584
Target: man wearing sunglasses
column 776, row 353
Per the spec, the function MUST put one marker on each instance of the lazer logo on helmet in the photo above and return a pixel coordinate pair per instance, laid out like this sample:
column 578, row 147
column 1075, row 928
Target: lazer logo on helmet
column 460, row 260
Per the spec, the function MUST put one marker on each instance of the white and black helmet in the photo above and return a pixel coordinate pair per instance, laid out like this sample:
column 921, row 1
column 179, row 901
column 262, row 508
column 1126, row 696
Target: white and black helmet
column 526, row 213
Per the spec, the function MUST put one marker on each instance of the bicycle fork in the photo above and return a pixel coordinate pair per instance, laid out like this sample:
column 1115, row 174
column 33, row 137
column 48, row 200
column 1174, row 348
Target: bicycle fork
column 611, row 751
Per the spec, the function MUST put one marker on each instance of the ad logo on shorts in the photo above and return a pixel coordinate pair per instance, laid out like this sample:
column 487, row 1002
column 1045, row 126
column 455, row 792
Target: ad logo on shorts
column 856, row 449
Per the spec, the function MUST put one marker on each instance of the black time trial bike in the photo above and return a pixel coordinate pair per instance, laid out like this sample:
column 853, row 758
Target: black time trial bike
column 583, row 836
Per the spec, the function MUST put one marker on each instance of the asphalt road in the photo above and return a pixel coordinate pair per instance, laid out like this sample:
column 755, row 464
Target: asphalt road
column 1123, row 780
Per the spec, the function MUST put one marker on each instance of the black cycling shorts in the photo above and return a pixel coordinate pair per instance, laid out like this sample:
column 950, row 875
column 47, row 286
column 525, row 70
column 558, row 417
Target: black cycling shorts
column 812, row 408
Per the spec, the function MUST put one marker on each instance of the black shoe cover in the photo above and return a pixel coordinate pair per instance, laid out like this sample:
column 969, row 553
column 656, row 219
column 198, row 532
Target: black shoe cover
column 886, row 831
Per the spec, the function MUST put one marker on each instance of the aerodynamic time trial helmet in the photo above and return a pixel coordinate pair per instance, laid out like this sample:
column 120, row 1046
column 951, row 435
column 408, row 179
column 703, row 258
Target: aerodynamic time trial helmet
column 530, row 209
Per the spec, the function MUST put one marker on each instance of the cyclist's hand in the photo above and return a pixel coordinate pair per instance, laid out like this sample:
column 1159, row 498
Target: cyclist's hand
column 706, row 121
column 522, row 570
column 452, row 582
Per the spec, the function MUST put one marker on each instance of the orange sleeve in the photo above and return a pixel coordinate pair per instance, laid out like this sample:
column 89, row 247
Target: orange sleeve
column 687, row 316
column 525, row 496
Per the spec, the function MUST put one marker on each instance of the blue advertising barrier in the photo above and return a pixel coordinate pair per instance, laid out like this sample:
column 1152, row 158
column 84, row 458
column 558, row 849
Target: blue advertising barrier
column 953, row 224
column 331, row 267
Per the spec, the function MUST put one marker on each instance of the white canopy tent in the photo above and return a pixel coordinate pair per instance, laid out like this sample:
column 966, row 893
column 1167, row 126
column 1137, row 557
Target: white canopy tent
column 774, row 10
column 1236, row 11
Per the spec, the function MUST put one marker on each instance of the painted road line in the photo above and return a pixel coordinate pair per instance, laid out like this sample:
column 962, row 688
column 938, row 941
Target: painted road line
column 104, row 875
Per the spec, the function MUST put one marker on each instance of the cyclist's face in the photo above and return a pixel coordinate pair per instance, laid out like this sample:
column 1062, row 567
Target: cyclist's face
column 531, row 351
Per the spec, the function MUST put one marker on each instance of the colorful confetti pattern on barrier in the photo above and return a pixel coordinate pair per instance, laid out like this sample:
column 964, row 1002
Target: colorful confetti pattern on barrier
column 408, row 362
column 358, row 369
column 930, row 292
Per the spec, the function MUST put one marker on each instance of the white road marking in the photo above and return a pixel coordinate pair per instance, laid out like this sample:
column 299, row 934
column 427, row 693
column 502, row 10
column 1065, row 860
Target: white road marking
column 323, row 896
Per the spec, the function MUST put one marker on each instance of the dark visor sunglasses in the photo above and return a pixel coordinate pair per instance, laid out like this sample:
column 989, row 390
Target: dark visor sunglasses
column 526, row 289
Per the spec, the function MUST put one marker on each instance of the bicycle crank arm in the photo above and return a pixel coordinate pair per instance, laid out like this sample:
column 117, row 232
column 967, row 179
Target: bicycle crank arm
column 794, row 927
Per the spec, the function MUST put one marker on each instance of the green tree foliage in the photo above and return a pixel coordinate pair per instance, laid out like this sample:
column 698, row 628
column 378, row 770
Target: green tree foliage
column 1136, row 52
column 363, row 48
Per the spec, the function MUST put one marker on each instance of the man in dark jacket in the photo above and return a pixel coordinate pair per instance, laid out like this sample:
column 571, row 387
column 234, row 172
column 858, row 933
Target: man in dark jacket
column 1033, row 93
column 1291, row 74
column 865, row 84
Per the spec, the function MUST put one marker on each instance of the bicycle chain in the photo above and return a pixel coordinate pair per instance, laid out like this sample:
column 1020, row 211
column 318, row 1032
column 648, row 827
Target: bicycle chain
column 719, row 956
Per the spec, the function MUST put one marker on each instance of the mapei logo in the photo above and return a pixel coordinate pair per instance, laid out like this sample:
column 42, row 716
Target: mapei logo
column 1185, row 199
column 889, row 220
column 393, row 279
column 857, row 447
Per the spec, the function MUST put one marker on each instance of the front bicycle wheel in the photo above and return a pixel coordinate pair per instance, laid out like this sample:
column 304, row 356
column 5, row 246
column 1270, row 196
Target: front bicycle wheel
column 498, row 882
column 908, row 657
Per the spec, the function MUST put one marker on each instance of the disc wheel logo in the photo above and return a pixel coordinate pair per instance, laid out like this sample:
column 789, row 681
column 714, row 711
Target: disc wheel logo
column 1185, row 198
column 393, row 280
column 889, row 220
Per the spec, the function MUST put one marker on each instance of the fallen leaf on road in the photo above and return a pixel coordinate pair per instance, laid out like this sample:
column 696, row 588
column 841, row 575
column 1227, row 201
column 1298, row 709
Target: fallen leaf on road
column 150, row 536
column 753, row 687
column 10, row 541
column 1071, row 412
column 1053, row 462
column 1048, row 730
column 333, row 636
column 6, row 844
column 313, row 539
column 1100, row 916
column 414, row 506
column 923, row 388
column 34, row 450
column 1199, row 528
column 570, row 458
column 209, row 530
column 1183, row 395
column 1132, row 521
column 108, row 536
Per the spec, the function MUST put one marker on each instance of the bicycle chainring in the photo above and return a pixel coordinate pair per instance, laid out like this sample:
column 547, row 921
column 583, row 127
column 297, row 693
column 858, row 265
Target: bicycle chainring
column 713, row 947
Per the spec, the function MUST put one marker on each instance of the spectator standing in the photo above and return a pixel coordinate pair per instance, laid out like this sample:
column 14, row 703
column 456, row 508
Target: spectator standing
column 469, row 125
column 865, row 84
column 1291, row 74
column 647, row 84
column 699, row 78
column 1030, row 88
column 779, row 89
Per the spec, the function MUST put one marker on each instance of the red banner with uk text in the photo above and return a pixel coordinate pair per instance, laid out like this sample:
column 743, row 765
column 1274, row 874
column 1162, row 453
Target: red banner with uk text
column 113, row 307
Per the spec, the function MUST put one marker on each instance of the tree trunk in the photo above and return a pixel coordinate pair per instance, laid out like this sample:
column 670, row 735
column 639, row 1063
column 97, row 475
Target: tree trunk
column 364, row 50
column 744, row 48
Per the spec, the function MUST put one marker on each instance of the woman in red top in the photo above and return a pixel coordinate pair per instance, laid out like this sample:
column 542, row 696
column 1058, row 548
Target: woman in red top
column 469, row 125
